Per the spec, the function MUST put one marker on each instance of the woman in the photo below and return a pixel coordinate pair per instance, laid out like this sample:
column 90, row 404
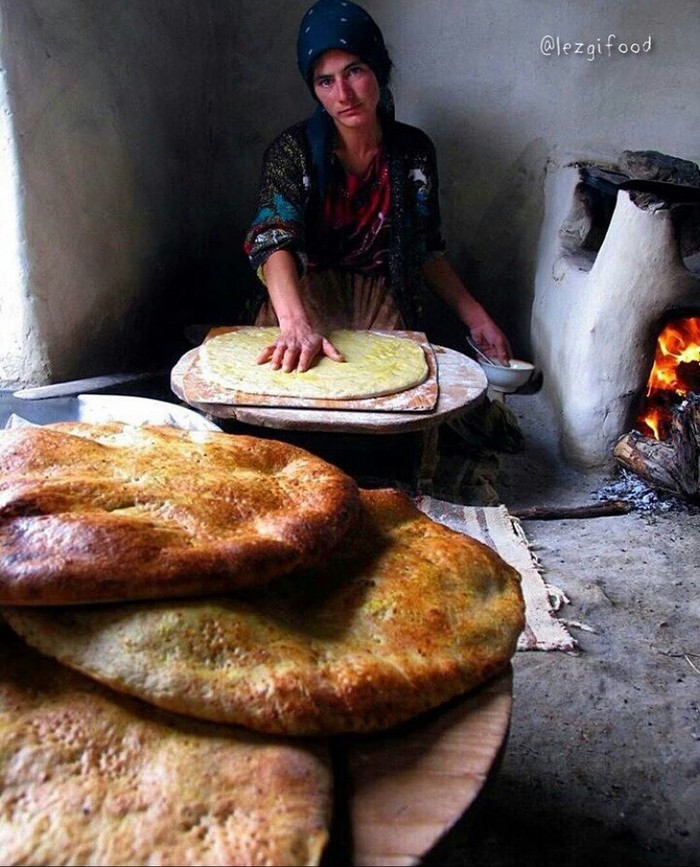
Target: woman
column 349, row 221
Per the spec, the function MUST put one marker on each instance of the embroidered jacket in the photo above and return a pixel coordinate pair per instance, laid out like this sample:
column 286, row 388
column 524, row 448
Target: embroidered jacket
column 289, row 188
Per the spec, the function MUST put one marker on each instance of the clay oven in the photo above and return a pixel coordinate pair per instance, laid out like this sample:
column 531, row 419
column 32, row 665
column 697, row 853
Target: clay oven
column 619, row 257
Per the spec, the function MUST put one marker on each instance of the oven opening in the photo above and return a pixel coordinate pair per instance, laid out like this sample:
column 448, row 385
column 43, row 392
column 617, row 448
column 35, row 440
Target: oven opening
column 675, row 373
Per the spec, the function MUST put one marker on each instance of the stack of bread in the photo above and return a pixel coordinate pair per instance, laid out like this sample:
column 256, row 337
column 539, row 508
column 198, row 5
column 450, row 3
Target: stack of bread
column 189, row 615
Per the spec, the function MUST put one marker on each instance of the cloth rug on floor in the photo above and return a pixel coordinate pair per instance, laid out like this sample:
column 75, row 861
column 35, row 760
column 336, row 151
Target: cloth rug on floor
column 502, row 532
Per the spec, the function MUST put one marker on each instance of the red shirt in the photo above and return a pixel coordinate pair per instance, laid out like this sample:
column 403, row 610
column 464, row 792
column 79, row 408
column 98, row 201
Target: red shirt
column 352, row 231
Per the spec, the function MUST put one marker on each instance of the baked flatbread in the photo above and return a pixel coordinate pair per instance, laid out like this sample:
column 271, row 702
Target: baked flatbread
column 95, row 512
column 405, row 615
column 91, row 777
column 375, row 364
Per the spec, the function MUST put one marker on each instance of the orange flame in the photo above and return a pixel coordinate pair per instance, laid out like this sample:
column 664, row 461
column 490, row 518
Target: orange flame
column 675, row 372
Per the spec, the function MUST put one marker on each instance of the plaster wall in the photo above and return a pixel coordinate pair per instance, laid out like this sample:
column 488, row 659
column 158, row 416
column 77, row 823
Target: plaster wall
column 100, row 132
column 20, row 354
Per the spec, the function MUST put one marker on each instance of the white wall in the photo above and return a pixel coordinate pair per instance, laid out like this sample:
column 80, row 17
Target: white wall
column 473, row 73
column 100, row 100
column 21, row 355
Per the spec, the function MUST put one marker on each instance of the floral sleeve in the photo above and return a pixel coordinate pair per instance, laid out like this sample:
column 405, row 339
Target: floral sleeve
column 279, row 223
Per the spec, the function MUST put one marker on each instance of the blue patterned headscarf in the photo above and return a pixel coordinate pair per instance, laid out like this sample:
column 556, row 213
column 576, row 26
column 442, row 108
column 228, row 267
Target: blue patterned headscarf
column 344, row 25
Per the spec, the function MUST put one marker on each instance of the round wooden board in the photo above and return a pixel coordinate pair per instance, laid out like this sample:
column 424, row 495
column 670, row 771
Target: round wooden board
column 197, row 385
column 461, row 383
column 409, row 786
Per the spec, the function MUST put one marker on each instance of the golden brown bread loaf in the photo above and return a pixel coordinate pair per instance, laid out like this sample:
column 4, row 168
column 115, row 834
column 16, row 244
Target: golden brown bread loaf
column 405, row 615
column 96, row 512
column 91, row 777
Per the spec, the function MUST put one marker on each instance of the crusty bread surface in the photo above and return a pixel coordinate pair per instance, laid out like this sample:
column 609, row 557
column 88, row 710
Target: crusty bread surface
column 89, row 777
column 405, row 615
column 107, row 512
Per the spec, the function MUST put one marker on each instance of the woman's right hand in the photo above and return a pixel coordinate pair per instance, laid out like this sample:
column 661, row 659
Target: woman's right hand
column 297, row 348
column 298, row 345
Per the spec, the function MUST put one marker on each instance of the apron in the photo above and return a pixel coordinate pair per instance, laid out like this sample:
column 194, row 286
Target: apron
column 343, row 299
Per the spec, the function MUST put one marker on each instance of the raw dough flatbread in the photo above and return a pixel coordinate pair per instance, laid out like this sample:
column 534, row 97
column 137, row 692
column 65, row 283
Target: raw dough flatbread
column 375, row 365
column 98, row 512
column 91, row 777
column 405, row 615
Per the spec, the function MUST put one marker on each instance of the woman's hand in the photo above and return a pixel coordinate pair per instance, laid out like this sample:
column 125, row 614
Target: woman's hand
column 297, row 348
column 443, row 279
column 298, row 345
column 490, row 339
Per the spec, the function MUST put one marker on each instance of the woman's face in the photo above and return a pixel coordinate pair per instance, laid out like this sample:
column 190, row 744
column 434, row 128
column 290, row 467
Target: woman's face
column 347, row 88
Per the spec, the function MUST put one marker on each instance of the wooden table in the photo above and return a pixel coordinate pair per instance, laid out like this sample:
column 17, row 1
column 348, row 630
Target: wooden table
column 462, row 385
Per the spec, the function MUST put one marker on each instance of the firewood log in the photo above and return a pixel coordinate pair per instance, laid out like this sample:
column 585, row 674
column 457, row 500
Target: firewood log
column 671, row 465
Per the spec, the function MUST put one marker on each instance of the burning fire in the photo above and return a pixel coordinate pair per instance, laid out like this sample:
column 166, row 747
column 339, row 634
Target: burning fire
column 676, row 372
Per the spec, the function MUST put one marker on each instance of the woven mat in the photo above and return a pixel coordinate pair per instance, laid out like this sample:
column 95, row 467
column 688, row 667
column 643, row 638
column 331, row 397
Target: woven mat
column 504, row 534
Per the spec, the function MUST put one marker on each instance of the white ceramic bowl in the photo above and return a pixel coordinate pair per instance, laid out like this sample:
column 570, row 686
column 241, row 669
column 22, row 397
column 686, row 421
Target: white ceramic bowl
column 508, row 379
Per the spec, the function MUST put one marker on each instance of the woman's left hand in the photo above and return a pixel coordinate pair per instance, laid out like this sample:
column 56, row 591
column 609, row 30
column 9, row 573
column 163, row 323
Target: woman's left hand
column 441, row 276
column 490, row 339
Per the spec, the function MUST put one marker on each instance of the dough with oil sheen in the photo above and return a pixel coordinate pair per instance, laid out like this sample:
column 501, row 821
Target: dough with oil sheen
column 375, row 365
